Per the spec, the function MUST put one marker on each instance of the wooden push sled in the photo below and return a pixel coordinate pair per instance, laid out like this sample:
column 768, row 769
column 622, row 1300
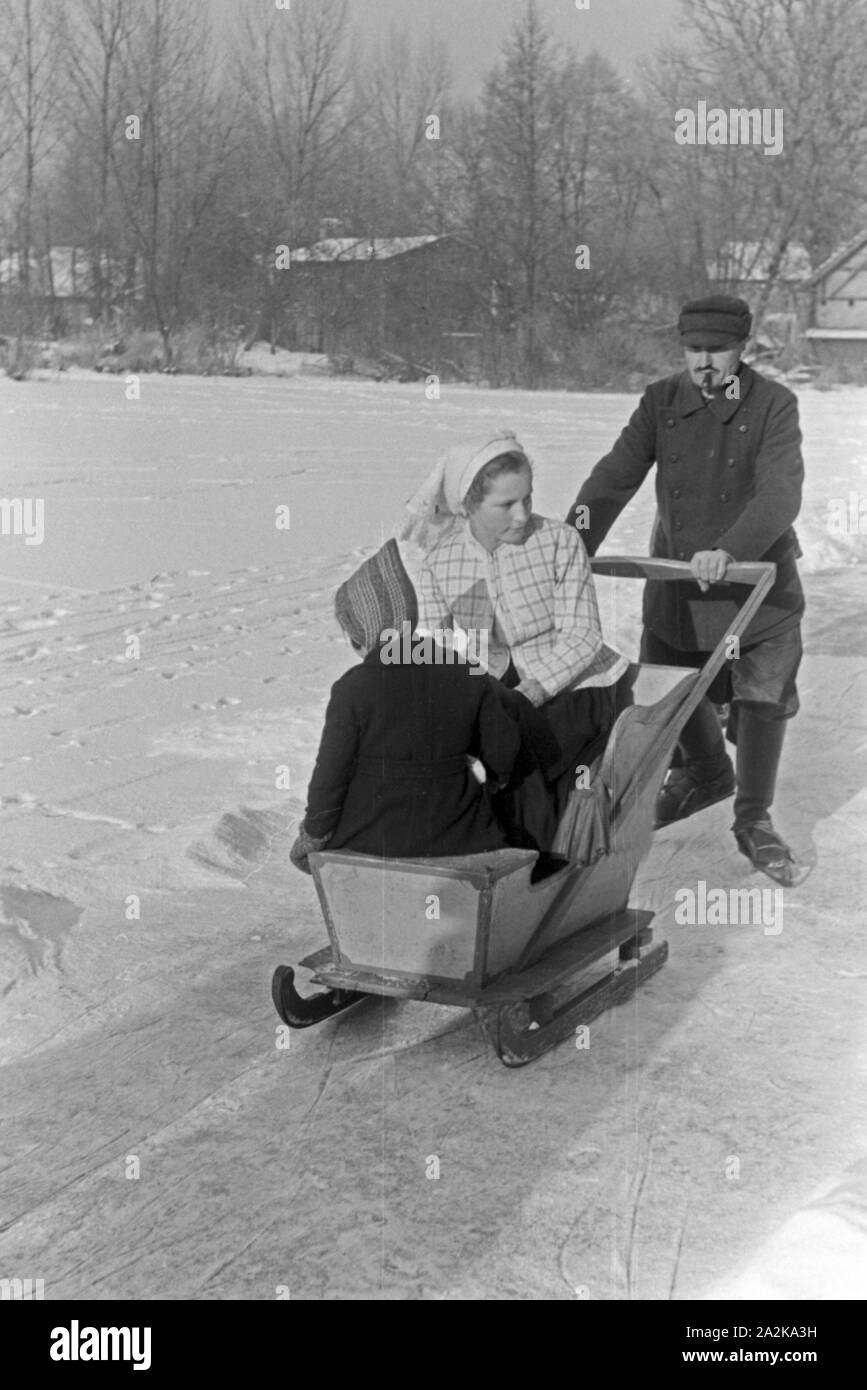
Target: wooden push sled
column 532, row 961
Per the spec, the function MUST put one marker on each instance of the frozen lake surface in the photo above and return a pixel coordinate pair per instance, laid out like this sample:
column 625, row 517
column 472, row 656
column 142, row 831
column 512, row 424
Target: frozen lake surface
column 166, row 651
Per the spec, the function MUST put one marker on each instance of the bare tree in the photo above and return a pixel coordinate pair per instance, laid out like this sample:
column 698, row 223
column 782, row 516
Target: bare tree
column 293, row 71
column 805, row 58
column 171, row 155
column 520, row 127
column 31, row 80
column 598, row 174
column 550, row 165
column 97, row 35
column 405, row 90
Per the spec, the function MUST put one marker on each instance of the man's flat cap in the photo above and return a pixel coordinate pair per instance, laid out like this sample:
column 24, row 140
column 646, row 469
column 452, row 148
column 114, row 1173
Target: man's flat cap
column 718, row 321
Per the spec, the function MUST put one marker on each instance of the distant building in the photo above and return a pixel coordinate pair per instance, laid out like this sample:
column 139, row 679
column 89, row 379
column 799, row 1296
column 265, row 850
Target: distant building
column 58, row 283
column 834, row 305
column 744, row 268
column 61, row 285
column 414, row 296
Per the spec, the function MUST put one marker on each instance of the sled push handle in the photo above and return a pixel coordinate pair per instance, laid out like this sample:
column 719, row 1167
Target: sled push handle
column 759, row 575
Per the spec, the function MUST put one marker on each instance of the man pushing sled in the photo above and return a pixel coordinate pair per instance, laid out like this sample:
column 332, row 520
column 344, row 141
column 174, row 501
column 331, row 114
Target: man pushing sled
column 726, row 444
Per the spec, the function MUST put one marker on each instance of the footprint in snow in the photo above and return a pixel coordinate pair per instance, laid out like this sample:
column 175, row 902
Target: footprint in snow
column 33, row 624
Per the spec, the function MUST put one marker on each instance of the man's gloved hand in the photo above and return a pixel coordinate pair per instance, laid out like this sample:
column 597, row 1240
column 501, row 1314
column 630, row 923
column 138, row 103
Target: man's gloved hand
column 709, row 567
column 533, row 691
column 304, row 845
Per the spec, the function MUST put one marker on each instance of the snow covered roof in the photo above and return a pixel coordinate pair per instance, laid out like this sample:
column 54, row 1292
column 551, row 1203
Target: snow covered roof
column 751, row 260
column 855, row 335
column 348, row 248
column 850, row 248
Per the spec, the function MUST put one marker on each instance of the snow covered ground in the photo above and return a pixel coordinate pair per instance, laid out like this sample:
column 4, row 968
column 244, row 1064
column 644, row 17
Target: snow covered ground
column 166, row 656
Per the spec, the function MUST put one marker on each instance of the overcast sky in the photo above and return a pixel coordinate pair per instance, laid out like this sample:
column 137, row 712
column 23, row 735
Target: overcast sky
column 624, row 30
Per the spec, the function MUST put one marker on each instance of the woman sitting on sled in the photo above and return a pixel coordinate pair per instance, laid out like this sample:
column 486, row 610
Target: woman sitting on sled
column 525, row 580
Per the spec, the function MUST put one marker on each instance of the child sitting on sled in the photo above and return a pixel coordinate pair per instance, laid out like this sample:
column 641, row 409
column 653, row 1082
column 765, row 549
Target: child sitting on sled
column 394, row 773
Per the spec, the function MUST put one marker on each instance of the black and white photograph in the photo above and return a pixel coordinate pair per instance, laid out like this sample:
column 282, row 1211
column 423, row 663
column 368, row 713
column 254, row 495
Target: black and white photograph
column 433, row 650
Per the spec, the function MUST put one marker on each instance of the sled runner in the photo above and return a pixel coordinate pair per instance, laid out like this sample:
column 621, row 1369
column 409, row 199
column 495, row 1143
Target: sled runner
column 533, row 961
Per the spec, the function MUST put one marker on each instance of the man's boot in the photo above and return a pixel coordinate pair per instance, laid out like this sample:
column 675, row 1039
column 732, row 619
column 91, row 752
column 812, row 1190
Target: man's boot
column 704, row 775
column 760, row 744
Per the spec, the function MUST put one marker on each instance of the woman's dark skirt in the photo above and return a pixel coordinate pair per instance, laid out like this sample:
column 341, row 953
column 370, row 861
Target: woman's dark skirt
column 559, row 740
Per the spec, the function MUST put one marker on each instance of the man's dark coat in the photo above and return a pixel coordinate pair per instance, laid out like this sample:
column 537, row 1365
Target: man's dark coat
column 728, row 476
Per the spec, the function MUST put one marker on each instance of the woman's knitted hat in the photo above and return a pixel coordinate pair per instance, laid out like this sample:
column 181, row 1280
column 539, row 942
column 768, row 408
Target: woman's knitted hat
column 378, row 595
